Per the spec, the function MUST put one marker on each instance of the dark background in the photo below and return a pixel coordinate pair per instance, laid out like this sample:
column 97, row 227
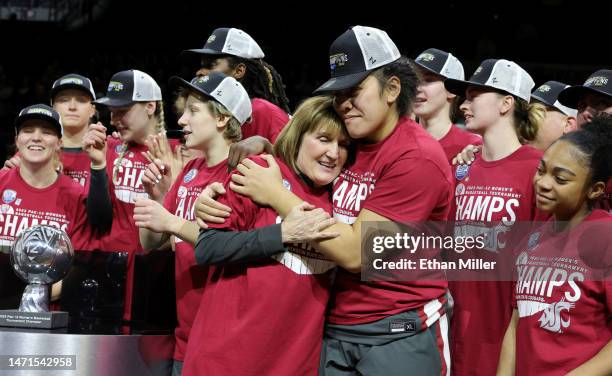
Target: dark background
column 551, row 39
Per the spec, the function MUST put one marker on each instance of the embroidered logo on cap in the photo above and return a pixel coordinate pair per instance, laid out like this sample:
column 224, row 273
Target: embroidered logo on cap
column 478, row 70
column 71, row 80
column 115, row 86
column 596, row 81
column 337, row 60
column 544, row 88
column 426, row 56
column 211, row 38
column 199, row 80
column 43, row 111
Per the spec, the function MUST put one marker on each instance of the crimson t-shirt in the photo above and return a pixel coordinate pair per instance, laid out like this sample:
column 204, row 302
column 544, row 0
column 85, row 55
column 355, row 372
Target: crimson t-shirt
column 263, row 317
column 77, row 165
column 404, row 178
column 61, row 205
column 189, row 277
column 267, row 120
column 490, row 198
column 456, row 139
column 564, row 296
column 125, row 188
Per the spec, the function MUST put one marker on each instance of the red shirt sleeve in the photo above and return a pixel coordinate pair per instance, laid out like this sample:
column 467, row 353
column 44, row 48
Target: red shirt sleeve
column 411, row 190
column 277, row 122
column 268, row 120
column 244, row 211
column 79, row 230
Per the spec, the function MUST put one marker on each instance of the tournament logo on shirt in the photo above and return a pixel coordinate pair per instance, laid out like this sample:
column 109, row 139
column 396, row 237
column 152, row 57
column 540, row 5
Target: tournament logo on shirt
column 459, row 189
column 532, row 243
column 182, row 192
column 6, row 209
column 462, row 171
column 189, row 176
column 120, row 148
column 9, row 196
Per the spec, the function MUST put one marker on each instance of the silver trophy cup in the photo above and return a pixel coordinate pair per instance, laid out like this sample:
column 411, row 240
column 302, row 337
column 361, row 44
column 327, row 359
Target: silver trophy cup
column 41, row 255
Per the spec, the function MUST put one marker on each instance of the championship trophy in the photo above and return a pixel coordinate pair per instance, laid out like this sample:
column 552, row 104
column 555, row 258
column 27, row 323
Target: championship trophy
column 41, row 256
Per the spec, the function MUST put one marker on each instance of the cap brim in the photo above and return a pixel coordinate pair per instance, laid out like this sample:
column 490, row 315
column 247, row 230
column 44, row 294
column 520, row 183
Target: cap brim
column 571, row 95
column 429, row 70
column 542, row 100
column 177, row 82
column 59, row 88
column 341, row 83
column 201, row 51
column 23, row 118
column 458, row 87
column 109, row 102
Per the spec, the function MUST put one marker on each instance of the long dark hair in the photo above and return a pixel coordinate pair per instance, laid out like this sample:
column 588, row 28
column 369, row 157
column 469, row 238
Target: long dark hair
column 261, row 80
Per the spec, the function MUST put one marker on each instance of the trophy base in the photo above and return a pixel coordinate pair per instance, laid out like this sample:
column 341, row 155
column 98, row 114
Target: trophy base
column 40, row 320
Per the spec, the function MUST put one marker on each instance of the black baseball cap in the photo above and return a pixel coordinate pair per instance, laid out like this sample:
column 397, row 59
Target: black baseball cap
column 229, row 41
column 498, row 74
column 441, row 63
column 127, row 87
column 73, row 81
column 40, row 112
column 599, row 83
column 548, row 94
column 355, row 54
column 221, row 88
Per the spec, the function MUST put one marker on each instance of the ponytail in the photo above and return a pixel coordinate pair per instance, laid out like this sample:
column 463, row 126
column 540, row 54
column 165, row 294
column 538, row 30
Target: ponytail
column 528, row 118
column 160, row 124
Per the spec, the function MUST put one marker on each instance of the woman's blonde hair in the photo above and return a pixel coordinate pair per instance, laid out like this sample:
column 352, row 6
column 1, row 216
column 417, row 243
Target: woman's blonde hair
column 232, row 132
column 528, row 118
column 312, row 114
column 160, row 126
